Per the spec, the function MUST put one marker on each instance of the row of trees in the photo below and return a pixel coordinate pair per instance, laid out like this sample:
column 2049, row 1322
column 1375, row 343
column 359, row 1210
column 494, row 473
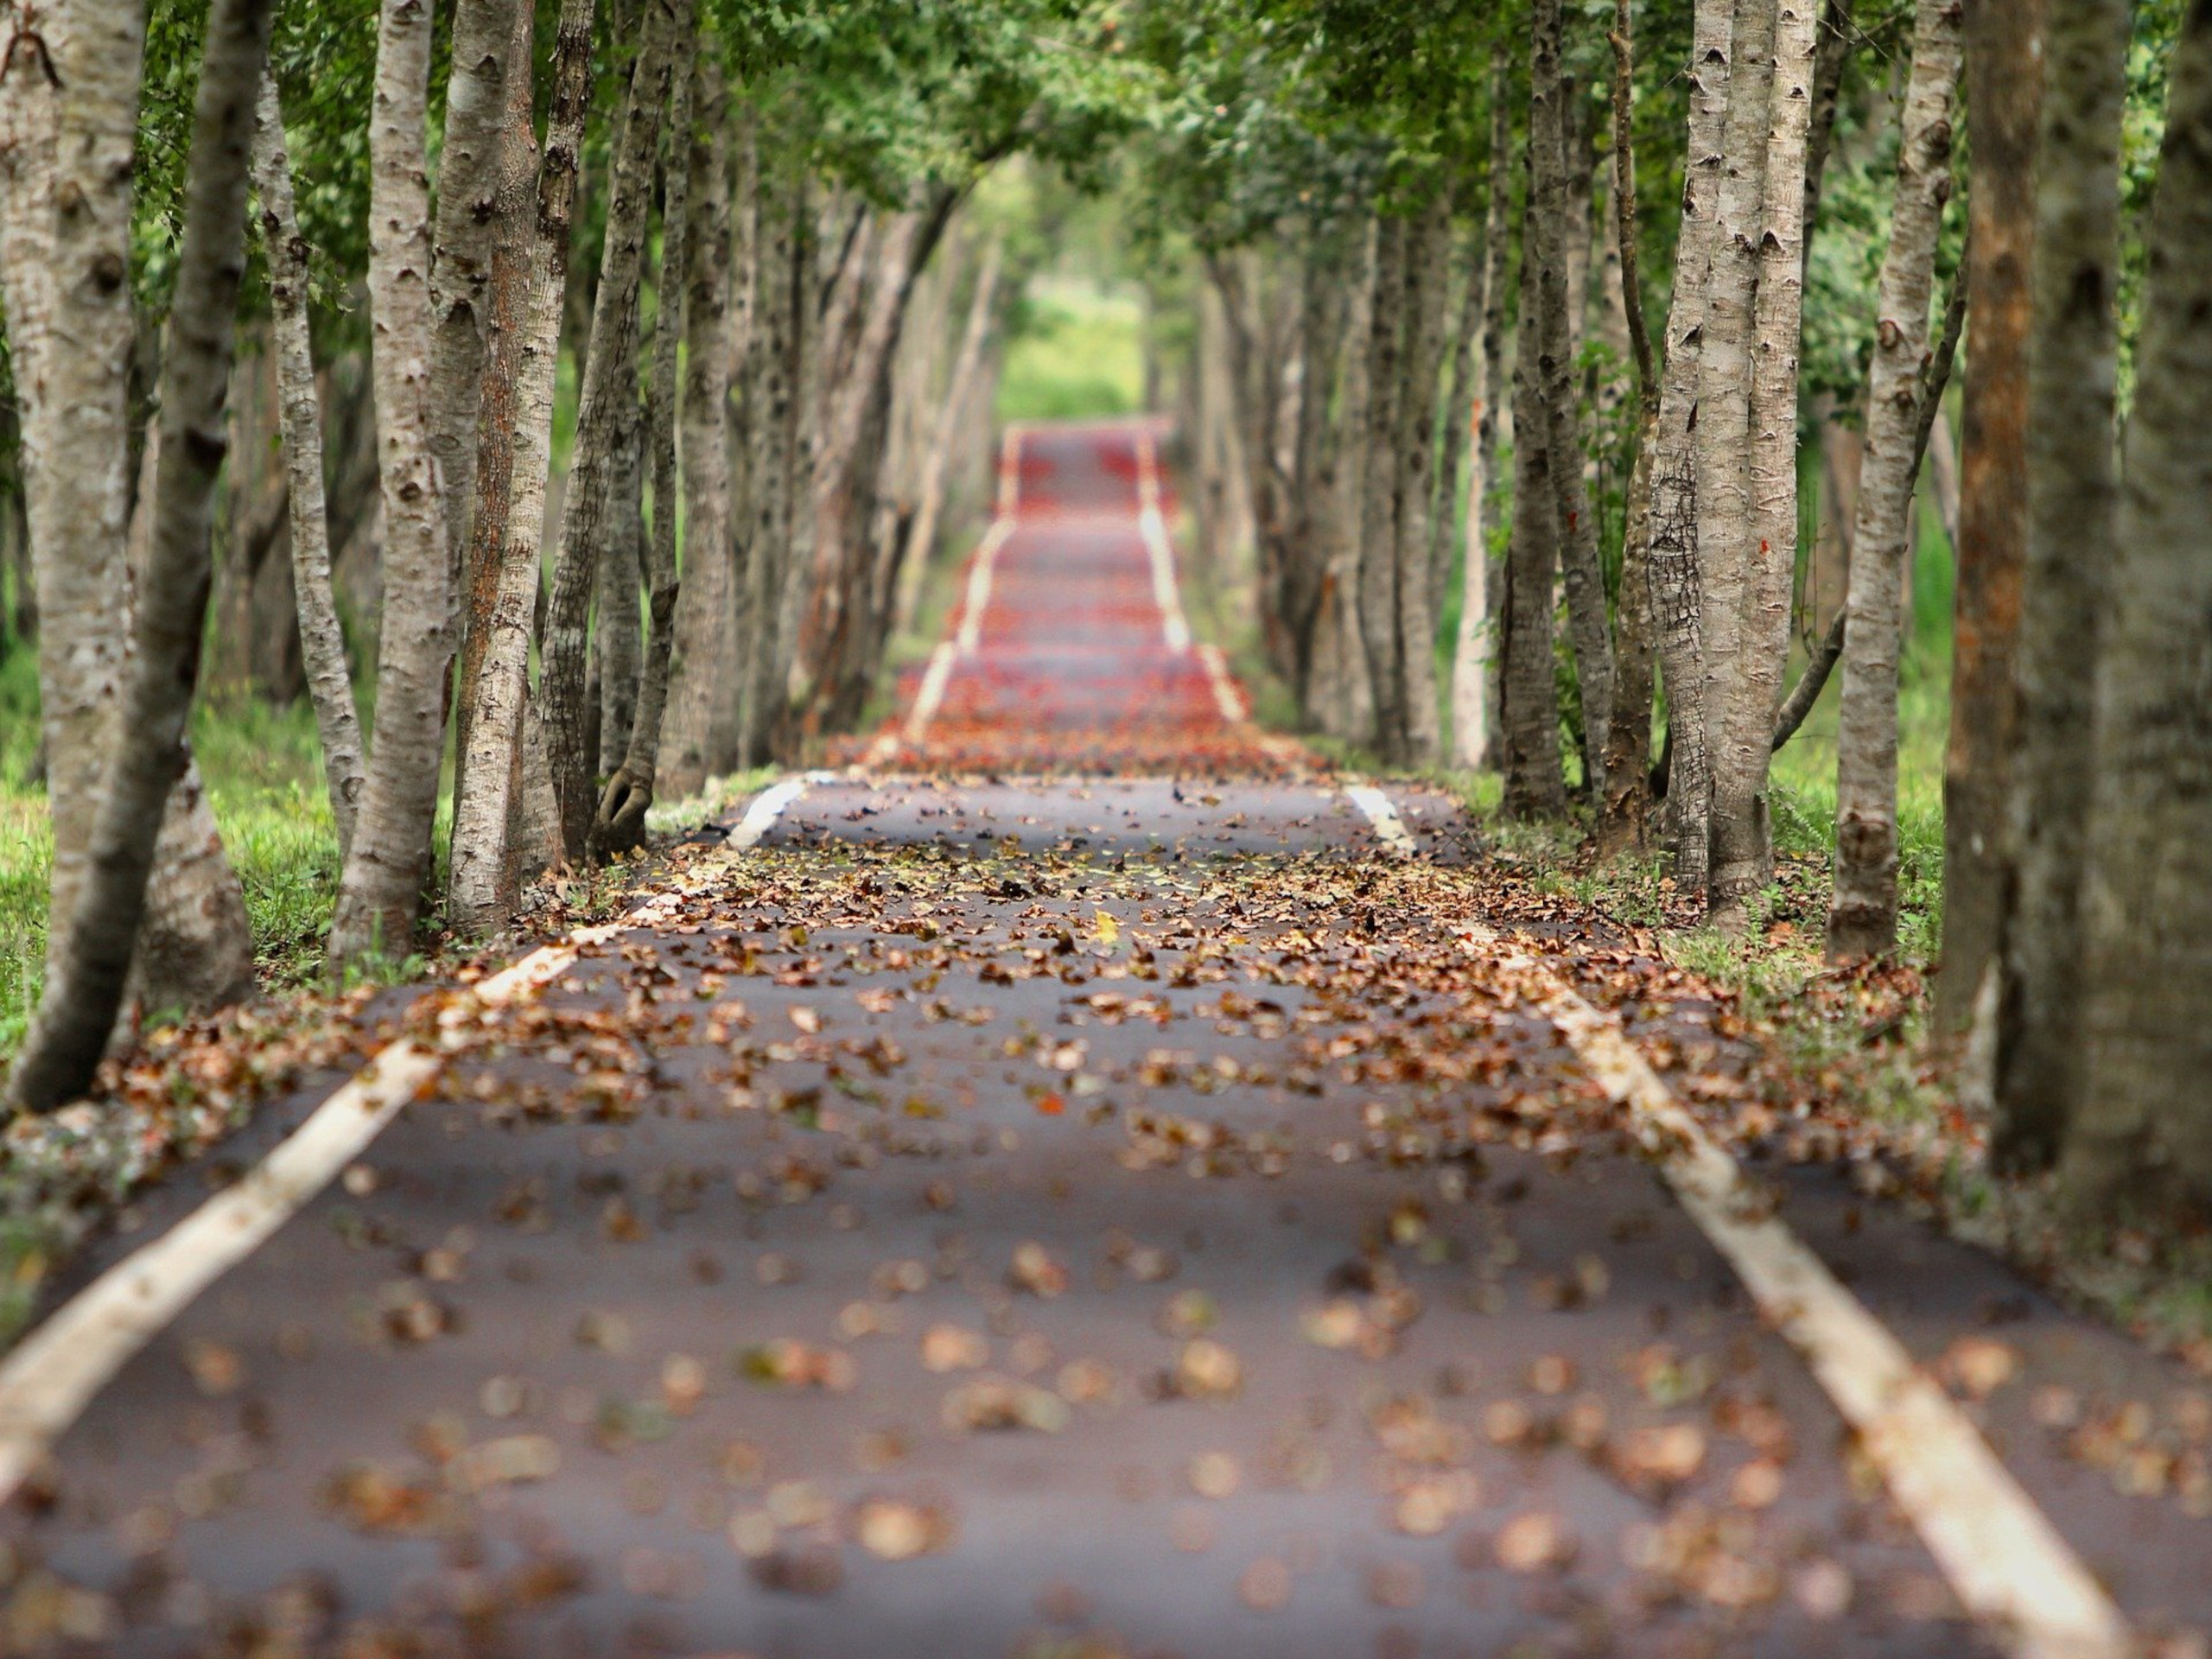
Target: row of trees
column 1422, row 223
column 746, row 230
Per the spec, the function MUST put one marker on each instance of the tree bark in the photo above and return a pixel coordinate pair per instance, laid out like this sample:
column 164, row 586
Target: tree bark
column 511, row 511
column 1677, row 581
column 1378, row 517
column 1723, row 405
column 2004, row 91
column 78, row 1008
column 2072, row 501
column 621, row 823
column 1839, row 34
column 381, row 891
column 1621, row 825
column 330, row 682
column 1549, row 205
column 966, row 362
column 1742, row 848
column 1428, row 276
column 619, row 575
column 701, row 732
column 609, row 394
column 1863, row 909
column 2141, row 1146
column 466, row 229
column 1474, row 648
column 1535, row 785
column 785, row 296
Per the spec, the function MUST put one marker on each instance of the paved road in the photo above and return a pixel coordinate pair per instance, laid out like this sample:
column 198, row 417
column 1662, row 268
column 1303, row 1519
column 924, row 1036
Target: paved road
column 1103, row 1214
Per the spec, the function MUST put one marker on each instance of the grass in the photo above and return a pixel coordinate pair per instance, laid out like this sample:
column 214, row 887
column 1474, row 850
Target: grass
column 1076, row 354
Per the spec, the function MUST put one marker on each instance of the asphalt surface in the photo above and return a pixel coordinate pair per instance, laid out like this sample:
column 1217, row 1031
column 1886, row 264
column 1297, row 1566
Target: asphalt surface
column 1054, row 1216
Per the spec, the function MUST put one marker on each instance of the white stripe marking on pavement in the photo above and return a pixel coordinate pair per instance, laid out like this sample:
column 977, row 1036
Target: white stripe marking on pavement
column 1174, row 626
column 55, row 1372
column 1390, row 828
column 1226, row 697
column 2007, row 1563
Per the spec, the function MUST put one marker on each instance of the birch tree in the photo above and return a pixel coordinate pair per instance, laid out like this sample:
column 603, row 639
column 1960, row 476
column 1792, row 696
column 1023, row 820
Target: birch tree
column 380, row 892
column 1675, row 580
column 1863, row 911
column 509, row 534
column 330, row 680
column 1378, row 515
column 78, row 1010
column 609, row 390
column 1474, row 646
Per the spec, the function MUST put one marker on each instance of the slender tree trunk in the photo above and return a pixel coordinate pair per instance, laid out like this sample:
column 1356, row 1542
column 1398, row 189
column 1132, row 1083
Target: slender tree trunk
column 701, row 732
column 2072, row 502
column 1863, row 912
column 1535, row 787
column 381, row 890
column 78, row 1010
column 1724, row 405
column 1742, row 850
column 1378, row 525
column 1464, row 392
column 465, row 232
column 2140, row 1146
column 330, row 682
column 1427, row 277
column 506, row 304
column 1549, row 205
column 784, row 295
column 2004, row 91
column 620, row 573
column 608, row 396
column 503, row 756
column 622, row 819
column 1348, row 711
column 1839, row 34
column 1676, row 580
column 1475, row 647
column 1621, row 825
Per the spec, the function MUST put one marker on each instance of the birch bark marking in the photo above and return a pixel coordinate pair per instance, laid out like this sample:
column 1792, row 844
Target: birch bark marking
column 1475, row 647
column 1724, row 403
column 381, row 890
column 1863, row 912
column 1743, row 854
column 78, row 1010
column 2004, row 91
column 467, row 226
column 620, row 822
column 330, row 683
column 1675, row 579
column 2139, row 1143
column 701, row 731
column 73, row 102
column 1549, row 204
column 2073, row 373
column 1378, row 518
column 491, row 783
column 610, row 385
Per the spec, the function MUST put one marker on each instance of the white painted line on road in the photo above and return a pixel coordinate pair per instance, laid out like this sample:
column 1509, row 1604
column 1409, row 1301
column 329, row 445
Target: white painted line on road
column 1226, row 697
column 2007, row 1563
column 1390, row 827
column 1174, row 626
column 55, row 1372
column 980, row 571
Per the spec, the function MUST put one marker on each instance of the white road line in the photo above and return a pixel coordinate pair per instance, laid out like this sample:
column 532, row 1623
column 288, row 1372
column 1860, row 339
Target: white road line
column 980, row 571
column 1390, row 828
column 56, row 1370
column 1174, row 626
column 2007, row 1563
column 1226, row 697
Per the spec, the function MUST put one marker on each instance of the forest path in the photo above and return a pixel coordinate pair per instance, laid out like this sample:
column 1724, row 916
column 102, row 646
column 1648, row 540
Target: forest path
column 1143, row 1209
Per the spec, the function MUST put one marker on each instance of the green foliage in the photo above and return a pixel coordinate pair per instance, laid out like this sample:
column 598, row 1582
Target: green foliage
column 1073, row 353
